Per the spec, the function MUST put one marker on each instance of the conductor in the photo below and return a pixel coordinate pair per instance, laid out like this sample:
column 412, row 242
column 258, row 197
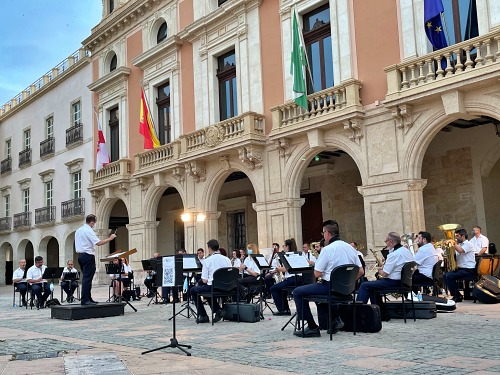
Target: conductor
column 85, row 240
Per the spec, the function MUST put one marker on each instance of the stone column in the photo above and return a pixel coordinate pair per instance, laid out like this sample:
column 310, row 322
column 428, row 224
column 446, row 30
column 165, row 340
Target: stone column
column 143, row 237
column 206, row 230
column 100, row 276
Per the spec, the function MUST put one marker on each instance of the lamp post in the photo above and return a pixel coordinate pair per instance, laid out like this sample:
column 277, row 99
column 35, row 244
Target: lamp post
column 193, row 217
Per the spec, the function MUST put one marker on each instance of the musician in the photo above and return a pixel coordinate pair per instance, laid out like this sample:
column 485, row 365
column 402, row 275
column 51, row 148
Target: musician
column 39, row 286
column 149, row 282
column 390, row 272
column 69, row 285
column 479, row 241
column 311, row 259
column 466, row 263
column 336, row 253
column 251, row 272
column 19, row 280
column 270, row 277
column 212, row 264
column 360, row 254
column 201, row 255
column 235, row 259
column 426, row 257
column 119, row 286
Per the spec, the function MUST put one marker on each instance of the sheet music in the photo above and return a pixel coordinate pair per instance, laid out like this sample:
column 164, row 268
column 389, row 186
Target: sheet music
column 262, row 261
column 168, row 271
column 112, row 256
column 189, row 263
column 297, row 261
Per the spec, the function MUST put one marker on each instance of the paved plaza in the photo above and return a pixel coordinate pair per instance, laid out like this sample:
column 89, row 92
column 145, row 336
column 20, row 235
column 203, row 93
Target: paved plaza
column 462, row 342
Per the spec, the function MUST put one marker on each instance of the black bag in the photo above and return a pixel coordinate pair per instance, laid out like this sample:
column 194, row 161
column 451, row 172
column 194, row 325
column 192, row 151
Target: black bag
column 368, row 317
column 423, row 309
column 52, row 302
column 249, row 312
column 487, row 289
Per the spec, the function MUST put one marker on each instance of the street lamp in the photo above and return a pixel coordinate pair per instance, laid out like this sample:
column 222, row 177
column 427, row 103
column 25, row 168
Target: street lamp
column 193, row 217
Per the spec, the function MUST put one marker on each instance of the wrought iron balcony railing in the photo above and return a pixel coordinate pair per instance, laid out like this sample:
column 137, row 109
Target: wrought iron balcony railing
column 45, row 215
column 73, row 207
column 6, row 165
column 47, row 147
column 22, row 220
column 5, row 224
column 74, row 134
column 25, row 158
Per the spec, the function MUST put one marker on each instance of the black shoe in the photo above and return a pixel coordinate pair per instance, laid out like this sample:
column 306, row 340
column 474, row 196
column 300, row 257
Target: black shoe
column 308, row 332
column 457, row 299
column 282, row 313
column 165, row 301
column 337, row 325
column 24, row 303
column 91, row 300
column 89, row 303
column 202, row 319
column 219, row 315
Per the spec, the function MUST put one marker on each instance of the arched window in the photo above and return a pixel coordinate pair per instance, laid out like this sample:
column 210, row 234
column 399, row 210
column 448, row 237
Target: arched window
column 112, row 64
column 162, row 33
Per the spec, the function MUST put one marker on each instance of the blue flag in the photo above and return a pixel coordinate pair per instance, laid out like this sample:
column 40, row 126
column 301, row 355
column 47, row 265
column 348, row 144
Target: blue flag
column 432, row 23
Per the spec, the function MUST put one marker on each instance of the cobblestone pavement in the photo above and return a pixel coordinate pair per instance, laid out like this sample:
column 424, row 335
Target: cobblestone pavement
column 462, row 342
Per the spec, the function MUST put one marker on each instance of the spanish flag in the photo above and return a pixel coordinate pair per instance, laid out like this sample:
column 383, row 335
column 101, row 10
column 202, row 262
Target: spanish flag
column 146, row 126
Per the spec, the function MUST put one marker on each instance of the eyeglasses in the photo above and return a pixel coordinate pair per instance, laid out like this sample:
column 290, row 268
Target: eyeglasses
column 387, row 240
column 325, row 231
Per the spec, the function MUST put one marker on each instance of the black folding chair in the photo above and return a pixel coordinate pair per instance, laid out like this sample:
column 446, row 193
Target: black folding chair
column 404, row 288
column 342, row 290
column 224, row 284
column 437, row 280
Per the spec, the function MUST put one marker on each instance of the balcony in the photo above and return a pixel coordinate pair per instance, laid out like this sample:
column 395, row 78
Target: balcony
column 6, row 166
column 113, row 174
column 467, row 64
column 333, row 105
column 47, row 147
column 25, row 158
column 22, row 220
column 157, row 159
column 5, row 224
column 45, row 215
column 73, row 209
column 74, row 135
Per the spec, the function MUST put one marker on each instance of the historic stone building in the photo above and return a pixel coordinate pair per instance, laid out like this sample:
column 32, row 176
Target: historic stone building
column 47, row 151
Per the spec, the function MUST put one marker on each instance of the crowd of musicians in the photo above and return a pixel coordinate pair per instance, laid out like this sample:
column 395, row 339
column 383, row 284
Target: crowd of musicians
column 322, row 257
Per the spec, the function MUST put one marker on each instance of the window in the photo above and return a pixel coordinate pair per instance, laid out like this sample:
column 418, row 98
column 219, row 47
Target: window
column 163, row 104
column 162, row 33
column 318, row 43
column 77, row 185
column 111, row 5
column 226, row 73
column 113, row 63
column 6, row 205
column 460, row 20
column 114, row 134
column 76, row 112
column 27, row 139
column 26, row 200
column 49, row 128
column 239, row 227
column 8, row 149
column 48, row 194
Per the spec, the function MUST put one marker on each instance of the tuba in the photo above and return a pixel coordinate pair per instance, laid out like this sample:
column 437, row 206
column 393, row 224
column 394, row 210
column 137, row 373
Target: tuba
column 448, row 245
column 407, row 240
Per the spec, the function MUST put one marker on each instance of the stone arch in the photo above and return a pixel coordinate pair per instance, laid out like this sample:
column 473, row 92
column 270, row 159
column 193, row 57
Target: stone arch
column 301, row 158
column 155, row 27
column 6, row 254
column 490, row 159
column 215, row 181
column 69, row 248
column 105, row 207
column 154, row 194
column 22, row 248
column 107, row 61
column 46, row 246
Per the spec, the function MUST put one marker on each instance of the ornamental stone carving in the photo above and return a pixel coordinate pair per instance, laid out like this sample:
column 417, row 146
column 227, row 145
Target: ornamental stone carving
column 403, row 115
column 179, row 174
column 283, row 145
column 251, row 156
column 196, row 170
column 224, row 159
column 213, row 136
column 354, row 127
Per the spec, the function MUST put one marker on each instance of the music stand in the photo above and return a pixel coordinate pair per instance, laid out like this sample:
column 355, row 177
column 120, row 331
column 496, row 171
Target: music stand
column 172, row 276
column 155, row 264
column 263, row 265
column 52, row 273
column 118, row 255
column 294, row 264
column 190, row 263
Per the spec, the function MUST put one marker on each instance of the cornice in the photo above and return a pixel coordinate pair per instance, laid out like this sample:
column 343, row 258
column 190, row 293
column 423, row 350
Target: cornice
column 120, row 74
column 149, row 57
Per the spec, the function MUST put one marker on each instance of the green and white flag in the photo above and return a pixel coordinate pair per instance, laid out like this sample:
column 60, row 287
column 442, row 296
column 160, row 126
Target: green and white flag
column 298, row 64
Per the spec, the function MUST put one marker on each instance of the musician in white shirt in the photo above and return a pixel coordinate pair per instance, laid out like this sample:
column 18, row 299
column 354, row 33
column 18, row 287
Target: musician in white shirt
column 214, row 262
column 479, row 241
column 19, row 280
column 251, row 272
column 38, row 284
column 426, row 257
column 69, row 285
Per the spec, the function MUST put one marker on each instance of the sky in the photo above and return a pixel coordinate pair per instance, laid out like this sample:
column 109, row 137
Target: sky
column 36, row 35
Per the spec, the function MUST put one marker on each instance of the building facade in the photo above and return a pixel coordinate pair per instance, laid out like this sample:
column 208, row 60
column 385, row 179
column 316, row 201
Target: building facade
column 46, row 145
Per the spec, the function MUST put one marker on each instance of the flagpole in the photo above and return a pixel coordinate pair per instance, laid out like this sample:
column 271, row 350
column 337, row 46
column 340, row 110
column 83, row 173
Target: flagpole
column 301, row 36
column 443, row 18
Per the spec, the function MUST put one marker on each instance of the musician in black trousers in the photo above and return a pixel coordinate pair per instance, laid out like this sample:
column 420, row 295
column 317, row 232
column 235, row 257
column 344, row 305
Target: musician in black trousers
column 19, row 280
column 85, row 240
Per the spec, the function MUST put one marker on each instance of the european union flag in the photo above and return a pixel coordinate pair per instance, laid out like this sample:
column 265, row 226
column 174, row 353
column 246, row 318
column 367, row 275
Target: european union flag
column 432, row 23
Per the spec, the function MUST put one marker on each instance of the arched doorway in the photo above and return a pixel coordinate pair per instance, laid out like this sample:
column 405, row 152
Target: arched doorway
column 52, row 253
column 29, row 254
column 6, row 264
column 118, row 221
column 170, row 230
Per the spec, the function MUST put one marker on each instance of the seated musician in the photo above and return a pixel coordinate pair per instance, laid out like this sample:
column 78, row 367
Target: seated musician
column 120, row 281
column 479, row 241
column 149, row 281
column 466, row 263
column 390, row 273
column 277, row 290
column 69, row 283
column 39, row 286
column 306, row 251
column 336, row 253
column 251, row 273
column 211, row 264
column 19, row 280
column 270, row 277
column 426, row 257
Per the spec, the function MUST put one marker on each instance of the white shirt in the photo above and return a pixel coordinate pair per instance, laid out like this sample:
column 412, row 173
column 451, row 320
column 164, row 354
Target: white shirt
column 479, row 242
column 251, row 265
column 426, row 257
column 467, row 259
column 19, row 274
column 212, row 264
column 395, row 262
column 67, row 270
column 85, row 240
column 35, row 273
column 309, row 256
column 338, row 253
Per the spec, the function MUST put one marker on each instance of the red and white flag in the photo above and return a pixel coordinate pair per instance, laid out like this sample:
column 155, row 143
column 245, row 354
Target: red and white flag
column 102, row 158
